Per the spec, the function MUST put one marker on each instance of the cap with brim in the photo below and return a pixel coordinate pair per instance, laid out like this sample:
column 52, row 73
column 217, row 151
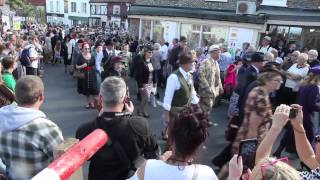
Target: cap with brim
column 315, row 70
column 257, row 57
column 268, row 38
column 214, row 48
column 117, row 59
column 247, row 56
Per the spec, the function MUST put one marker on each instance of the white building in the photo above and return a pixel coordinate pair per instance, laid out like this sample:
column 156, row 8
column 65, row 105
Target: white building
column 79, row 12
column 56, row 14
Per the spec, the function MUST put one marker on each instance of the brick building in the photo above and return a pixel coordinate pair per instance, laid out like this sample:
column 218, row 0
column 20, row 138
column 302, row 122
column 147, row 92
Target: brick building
column 227, row 20
column 109, row 13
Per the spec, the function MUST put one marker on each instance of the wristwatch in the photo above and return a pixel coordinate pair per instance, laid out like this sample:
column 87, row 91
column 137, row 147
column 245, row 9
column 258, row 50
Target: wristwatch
column 317, row 138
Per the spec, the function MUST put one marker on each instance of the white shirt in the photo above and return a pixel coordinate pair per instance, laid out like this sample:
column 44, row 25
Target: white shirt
column 33, row 54
column 265, row 49
column 159, row 170
column 279, row 60
column 164, row 52
column 98, row 59
column 173, row 84
column 295, row 84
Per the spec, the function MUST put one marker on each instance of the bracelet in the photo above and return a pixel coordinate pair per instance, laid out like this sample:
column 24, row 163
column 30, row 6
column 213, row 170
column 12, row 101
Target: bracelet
column 298, row 131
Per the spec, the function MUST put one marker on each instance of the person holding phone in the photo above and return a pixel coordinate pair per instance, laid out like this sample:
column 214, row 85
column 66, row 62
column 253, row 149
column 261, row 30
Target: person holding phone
column 271, row 168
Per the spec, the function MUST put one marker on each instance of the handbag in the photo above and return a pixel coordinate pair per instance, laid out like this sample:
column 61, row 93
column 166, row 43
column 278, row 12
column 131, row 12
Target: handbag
column 78, row 74
column 6, row 96
column 232, row 129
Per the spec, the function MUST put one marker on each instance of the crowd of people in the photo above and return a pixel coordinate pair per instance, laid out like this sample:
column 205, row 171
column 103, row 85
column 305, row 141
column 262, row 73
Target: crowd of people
column 264, row 87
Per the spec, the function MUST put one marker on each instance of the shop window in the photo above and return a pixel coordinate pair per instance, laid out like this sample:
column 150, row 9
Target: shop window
column 98, row 10
column 191, row 32
column 282, row 3
column 73, row 7
column 311, row 38
column 103, row 10
column 214, row 34
column 145, row 29
column 65, row 6
column 166, row 30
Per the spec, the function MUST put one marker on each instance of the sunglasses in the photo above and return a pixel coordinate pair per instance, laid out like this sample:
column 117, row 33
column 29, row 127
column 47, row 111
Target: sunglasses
column 264, row 166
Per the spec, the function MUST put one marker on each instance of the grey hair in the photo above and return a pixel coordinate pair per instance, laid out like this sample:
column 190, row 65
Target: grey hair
column 112, row 90
column 313, row 52
column 28, row 90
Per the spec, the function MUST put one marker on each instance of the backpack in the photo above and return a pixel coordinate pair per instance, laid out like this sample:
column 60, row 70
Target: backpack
column 25, row 57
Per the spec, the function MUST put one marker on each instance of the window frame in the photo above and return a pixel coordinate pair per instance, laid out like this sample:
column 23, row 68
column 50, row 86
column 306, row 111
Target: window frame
column 84, row 8
column 283, row 3
column 73, row 7
column 116, row 7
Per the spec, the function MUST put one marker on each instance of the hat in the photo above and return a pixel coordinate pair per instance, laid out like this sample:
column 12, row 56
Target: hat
column 257, row 57
column 247, row 56
column 182, row 38
column 268, row 38
column 214, row 48
column 185, row 58
column 315, row 70
column 117, row 59
column 147, row 47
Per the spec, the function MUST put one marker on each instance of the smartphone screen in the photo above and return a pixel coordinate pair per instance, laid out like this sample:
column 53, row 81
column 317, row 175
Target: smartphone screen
column 248, row 150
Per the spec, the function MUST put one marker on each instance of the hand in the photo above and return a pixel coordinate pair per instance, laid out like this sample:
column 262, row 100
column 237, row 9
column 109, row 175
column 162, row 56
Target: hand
column 298, row 121
column 235, row 167
column 129, row 106
column 280, row 116
column 166, row 156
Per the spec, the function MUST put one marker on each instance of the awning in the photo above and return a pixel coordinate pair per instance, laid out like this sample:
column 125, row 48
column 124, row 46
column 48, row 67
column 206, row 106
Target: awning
column 290, row 16
column 208, row 14
column 79, row 18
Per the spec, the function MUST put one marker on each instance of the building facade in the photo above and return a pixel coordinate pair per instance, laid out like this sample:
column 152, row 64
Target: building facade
column 55, row 12
column 225, row 21
column 79, row 12
column 109, row 13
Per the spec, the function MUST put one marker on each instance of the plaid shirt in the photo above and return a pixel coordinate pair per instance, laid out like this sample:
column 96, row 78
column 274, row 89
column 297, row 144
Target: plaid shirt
column 29, row 149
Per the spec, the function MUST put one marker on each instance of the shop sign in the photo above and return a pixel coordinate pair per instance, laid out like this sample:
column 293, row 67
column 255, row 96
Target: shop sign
column 237, row 36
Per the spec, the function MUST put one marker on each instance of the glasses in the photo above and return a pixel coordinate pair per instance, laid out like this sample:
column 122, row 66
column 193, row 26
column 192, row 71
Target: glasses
column 264, row 166
column 278, row 80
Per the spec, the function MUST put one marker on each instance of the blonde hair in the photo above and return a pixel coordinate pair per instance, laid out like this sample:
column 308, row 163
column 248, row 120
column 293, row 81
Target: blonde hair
column 274, row 171
column 304, row 56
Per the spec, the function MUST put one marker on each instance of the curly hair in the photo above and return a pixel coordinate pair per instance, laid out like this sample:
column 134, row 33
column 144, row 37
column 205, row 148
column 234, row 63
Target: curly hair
column 188, row 131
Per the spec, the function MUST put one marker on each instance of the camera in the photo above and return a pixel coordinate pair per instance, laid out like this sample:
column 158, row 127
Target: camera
column 293, row 113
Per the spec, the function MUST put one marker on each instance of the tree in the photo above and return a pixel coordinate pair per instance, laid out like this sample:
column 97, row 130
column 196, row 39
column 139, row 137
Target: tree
column 22, row 7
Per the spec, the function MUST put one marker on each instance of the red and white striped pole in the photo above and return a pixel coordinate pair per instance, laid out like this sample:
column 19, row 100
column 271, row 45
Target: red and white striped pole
column 63, row 167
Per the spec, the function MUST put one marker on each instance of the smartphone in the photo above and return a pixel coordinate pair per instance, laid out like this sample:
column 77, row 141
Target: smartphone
column 247, row 150
column 293, row 113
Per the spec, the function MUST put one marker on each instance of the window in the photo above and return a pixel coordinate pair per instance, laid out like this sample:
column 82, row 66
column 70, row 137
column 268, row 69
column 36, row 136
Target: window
column 214, row 34
column 103, row 10
column 65, row 6
column 116, row 10
column 93, row 9
column 51, row 6
column 57, row 6
column 98, row 10
column 282, row 3
column 84, row 8
column 73, row 7
column 192, row 33
column 217, row 0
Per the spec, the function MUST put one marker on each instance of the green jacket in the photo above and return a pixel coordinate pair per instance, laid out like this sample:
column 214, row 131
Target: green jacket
column 9, row 81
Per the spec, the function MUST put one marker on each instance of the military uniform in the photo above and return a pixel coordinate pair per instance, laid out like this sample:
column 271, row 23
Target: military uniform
column 209, row 84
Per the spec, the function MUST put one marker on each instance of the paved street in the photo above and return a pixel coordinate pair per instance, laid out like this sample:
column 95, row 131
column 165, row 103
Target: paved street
column 67, row 108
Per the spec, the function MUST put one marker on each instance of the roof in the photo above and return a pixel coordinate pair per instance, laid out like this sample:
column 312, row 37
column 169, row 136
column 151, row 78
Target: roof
column 290, row 14
column 209, row 14
column 37, row 2
column 109, row 1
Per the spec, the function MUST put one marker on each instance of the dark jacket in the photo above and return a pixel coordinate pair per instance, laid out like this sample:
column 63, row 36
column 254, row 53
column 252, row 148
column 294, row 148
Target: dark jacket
column 141, row 71
column 64, row 51
column 134, row 136
column 173, row 57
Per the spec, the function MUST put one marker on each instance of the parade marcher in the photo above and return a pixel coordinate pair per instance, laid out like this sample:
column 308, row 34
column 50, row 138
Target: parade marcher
column 156, row 63
column 57, row 53
column 294, row 75
column 88, row 85
column 313, row 58
column 240, row 53
column 265, row 45
column 118, row 68
column 27, row 137
column 76, row 52
column 180, row 91
column 130, row 136
column 188, row 131
column 210, row 86
column 144, row 75
column 34, row 57
column 9, row 65
column 64, row 53
column 290, row 60
column 98, row 56
column 173, row 58
column 47, row 47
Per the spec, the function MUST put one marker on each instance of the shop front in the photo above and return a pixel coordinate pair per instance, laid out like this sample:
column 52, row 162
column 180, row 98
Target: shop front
column 79, row 21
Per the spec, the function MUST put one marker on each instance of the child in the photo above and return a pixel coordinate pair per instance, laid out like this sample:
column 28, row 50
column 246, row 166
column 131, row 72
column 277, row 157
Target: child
column 9, row 65
column 57, row 50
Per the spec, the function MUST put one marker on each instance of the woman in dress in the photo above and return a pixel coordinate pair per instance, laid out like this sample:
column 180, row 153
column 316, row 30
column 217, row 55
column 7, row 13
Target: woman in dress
column 186, row 134
column 88, row 85
column 64, row 53
column 144, row 75
column 258, row 109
